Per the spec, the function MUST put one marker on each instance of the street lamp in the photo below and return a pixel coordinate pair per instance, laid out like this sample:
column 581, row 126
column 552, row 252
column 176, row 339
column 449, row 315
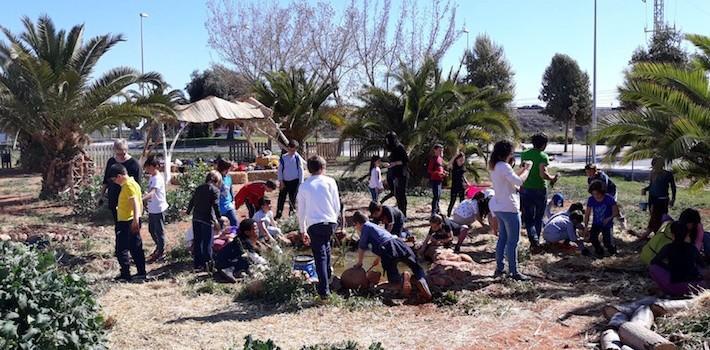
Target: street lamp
column 142, row 15
column 594, row 86
column 465, row 30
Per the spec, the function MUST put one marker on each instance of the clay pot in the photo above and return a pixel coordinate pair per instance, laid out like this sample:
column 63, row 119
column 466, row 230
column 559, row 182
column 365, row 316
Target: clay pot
column 374, row 277
column 354, row 278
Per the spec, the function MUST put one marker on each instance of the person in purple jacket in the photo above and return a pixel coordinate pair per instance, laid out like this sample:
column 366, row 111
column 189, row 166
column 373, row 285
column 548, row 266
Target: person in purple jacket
column 390, row 251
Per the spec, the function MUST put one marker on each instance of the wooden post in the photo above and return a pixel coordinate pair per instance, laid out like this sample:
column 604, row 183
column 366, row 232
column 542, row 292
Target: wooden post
column 637, row 337
column 643, row 316
column 609, row 340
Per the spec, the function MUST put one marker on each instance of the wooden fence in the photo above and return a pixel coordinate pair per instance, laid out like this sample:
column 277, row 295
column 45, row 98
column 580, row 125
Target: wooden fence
column 99, row 153
column 241, row 151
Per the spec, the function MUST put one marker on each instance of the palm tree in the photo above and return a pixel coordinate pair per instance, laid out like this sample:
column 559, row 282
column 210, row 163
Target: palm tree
column 670, row 117
column 298, row 102
column 424, row 109
column 47, row 93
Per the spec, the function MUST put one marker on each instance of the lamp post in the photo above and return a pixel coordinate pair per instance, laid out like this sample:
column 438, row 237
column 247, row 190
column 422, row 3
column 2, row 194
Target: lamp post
column 594, row 86
column 465, row 30
column 142, row 15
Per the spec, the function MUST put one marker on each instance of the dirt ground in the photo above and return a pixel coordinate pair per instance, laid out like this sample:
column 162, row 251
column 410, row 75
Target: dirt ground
column 559, row 309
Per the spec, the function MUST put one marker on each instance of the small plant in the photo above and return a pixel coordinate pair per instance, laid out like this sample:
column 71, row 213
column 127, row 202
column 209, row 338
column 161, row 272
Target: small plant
column 447, row 299
column 85, row 202
column 43, row 308
column 280, row 285
column 179, row 254
column 289, row 224
column 178, row 199
column 255, row 344
column 208, row 286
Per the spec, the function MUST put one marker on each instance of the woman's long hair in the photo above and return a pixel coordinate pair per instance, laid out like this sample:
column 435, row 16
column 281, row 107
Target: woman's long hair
column 456, row 158
column 501, row 151
column 391, row 140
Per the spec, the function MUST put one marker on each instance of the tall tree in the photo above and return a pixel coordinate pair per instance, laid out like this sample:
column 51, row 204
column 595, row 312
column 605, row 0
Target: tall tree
column 46, row 92
column 365, row 41
column 671, row 117
column 425, row 108
column 565, row 89
column 298, row 101
column 663, row 47
column 486, row 65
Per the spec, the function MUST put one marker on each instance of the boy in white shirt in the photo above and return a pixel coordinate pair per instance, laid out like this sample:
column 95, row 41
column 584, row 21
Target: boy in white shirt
column 157, row 204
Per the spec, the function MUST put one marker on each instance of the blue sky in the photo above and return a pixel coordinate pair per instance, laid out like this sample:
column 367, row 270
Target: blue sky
column 531, row 32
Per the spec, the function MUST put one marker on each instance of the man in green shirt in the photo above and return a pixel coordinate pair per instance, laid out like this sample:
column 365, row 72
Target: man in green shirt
column 533, row 193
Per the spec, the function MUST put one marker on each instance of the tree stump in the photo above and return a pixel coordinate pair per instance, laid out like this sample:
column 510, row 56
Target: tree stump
column 610, row 340
column 643, row 316
column 638, row 337
column 669, row 307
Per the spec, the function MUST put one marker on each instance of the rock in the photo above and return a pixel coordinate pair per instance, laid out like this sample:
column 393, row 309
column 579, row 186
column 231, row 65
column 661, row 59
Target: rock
column 354, row 278
column 255, row 287
column 4, row 237
column 450, row 269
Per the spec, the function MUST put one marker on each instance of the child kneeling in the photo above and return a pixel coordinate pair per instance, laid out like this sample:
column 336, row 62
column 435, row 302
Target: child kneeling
column 390, row 251
column 676, row 268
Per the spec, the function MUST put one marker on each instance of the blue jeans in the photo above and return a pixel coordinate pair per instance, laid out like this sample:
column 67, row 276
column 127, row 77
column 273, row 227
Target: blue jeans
column 436, row 195
column 201, row 243
column 532, row 204
column 508, row 237
column 320, row 246
column 374, row 194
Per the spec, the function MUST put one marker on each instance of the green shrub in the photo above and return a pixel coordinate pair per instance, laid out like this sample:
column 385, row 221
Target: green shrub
column 180, row 197
column 255, row 344
column 42, row 308
column 85, row 204
column 281, row 286
column 289, row 224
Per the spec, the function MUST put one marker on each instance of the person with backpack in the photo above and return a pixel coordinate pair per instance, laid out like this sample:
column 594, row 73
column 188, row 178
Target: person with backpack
column 290, row 176
column 437, row 174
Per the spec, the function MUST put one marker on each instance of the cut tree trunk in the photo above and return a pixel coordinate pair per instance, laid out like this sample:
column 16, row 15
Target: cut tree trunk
column 566, row 134
column 643, row 316
column 669, row 307
column 610, row 340
column 638, row 337
column 56, row 178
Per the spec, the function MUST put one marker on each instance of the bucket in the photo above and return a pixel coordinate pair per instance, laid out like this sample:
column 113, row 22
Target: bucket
column 643, row 206
column 306, row 264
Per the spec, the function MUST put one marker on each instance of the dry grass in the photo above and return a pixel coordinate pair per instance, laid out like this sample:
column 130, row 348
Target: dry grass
column 178, row 310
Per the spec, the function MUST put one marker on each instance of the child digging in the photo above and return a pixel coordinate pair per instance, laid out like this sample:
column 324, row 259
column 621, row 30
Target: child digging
column 605, row 210
column 390, row 251
column 205, row 203
column 128, row 210
column 157, row 205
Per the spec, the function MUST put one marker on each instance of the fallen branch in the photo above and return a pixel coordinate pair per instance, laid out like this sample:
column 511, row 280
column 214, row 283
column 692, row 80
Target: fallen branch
column 640, row 338
column 643, row 316
column 669, row 307
column 610, row 340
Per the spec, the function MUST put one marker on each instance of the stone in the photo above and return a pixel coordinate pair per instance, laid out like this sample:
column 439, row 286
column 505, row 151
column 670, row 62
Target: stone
column 4, row 237
column 450, row 269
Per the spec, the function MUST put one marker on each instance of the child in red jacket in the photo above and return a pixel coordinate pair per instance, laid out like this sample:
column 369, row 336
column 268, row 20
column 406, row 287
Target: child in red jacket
column 436, row 176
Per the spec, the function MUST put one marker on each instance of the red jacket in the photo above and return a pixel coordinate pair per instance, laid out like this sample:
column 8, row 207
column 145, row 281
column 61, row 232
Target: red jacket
column 436, row 169
column 251, row 192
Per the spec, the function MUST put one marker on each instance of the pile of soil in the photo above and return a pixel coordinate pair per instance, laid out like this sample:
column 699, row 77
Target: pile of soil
column 47, row 232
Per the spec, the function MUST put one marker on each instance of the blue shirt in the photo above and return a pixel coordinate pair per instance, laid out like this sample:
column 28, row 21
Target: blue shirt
column 606, row 180
column 290, row 168
column 375, row 236
column 226, row 203
column 602, row 210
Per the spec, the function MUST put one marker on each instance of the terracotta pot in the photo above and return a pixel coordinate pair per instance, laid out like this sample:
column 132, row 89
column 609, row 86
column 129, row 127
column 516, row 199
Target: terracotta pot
column 354, row 278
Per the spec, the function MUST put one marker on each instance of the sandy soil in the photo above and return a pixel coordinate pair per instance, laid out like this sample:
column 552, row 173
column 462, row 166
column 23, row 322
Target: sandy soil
column 559, row 309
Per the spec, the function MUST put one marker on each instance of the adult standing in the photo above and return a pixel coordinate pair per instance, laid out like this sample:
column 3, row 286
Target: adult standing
column 458, row 180
column 398, row 161
column 318, row 211
column 661, row 180
column 437, row 174
column 533, row 193
column 594, row 173
column 506, row 206
column 290, row 175
column 111, row 189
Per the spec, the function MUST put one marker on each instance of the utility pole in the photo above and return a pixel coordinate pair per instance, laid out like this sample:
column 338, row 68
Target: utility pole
column 594, row 86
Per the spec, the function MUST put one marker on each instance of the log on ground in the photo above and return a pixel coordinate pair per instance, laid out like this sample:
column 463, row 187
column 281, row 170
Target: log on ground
column 643, row 316
column 637, row 337
column 610, row 340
